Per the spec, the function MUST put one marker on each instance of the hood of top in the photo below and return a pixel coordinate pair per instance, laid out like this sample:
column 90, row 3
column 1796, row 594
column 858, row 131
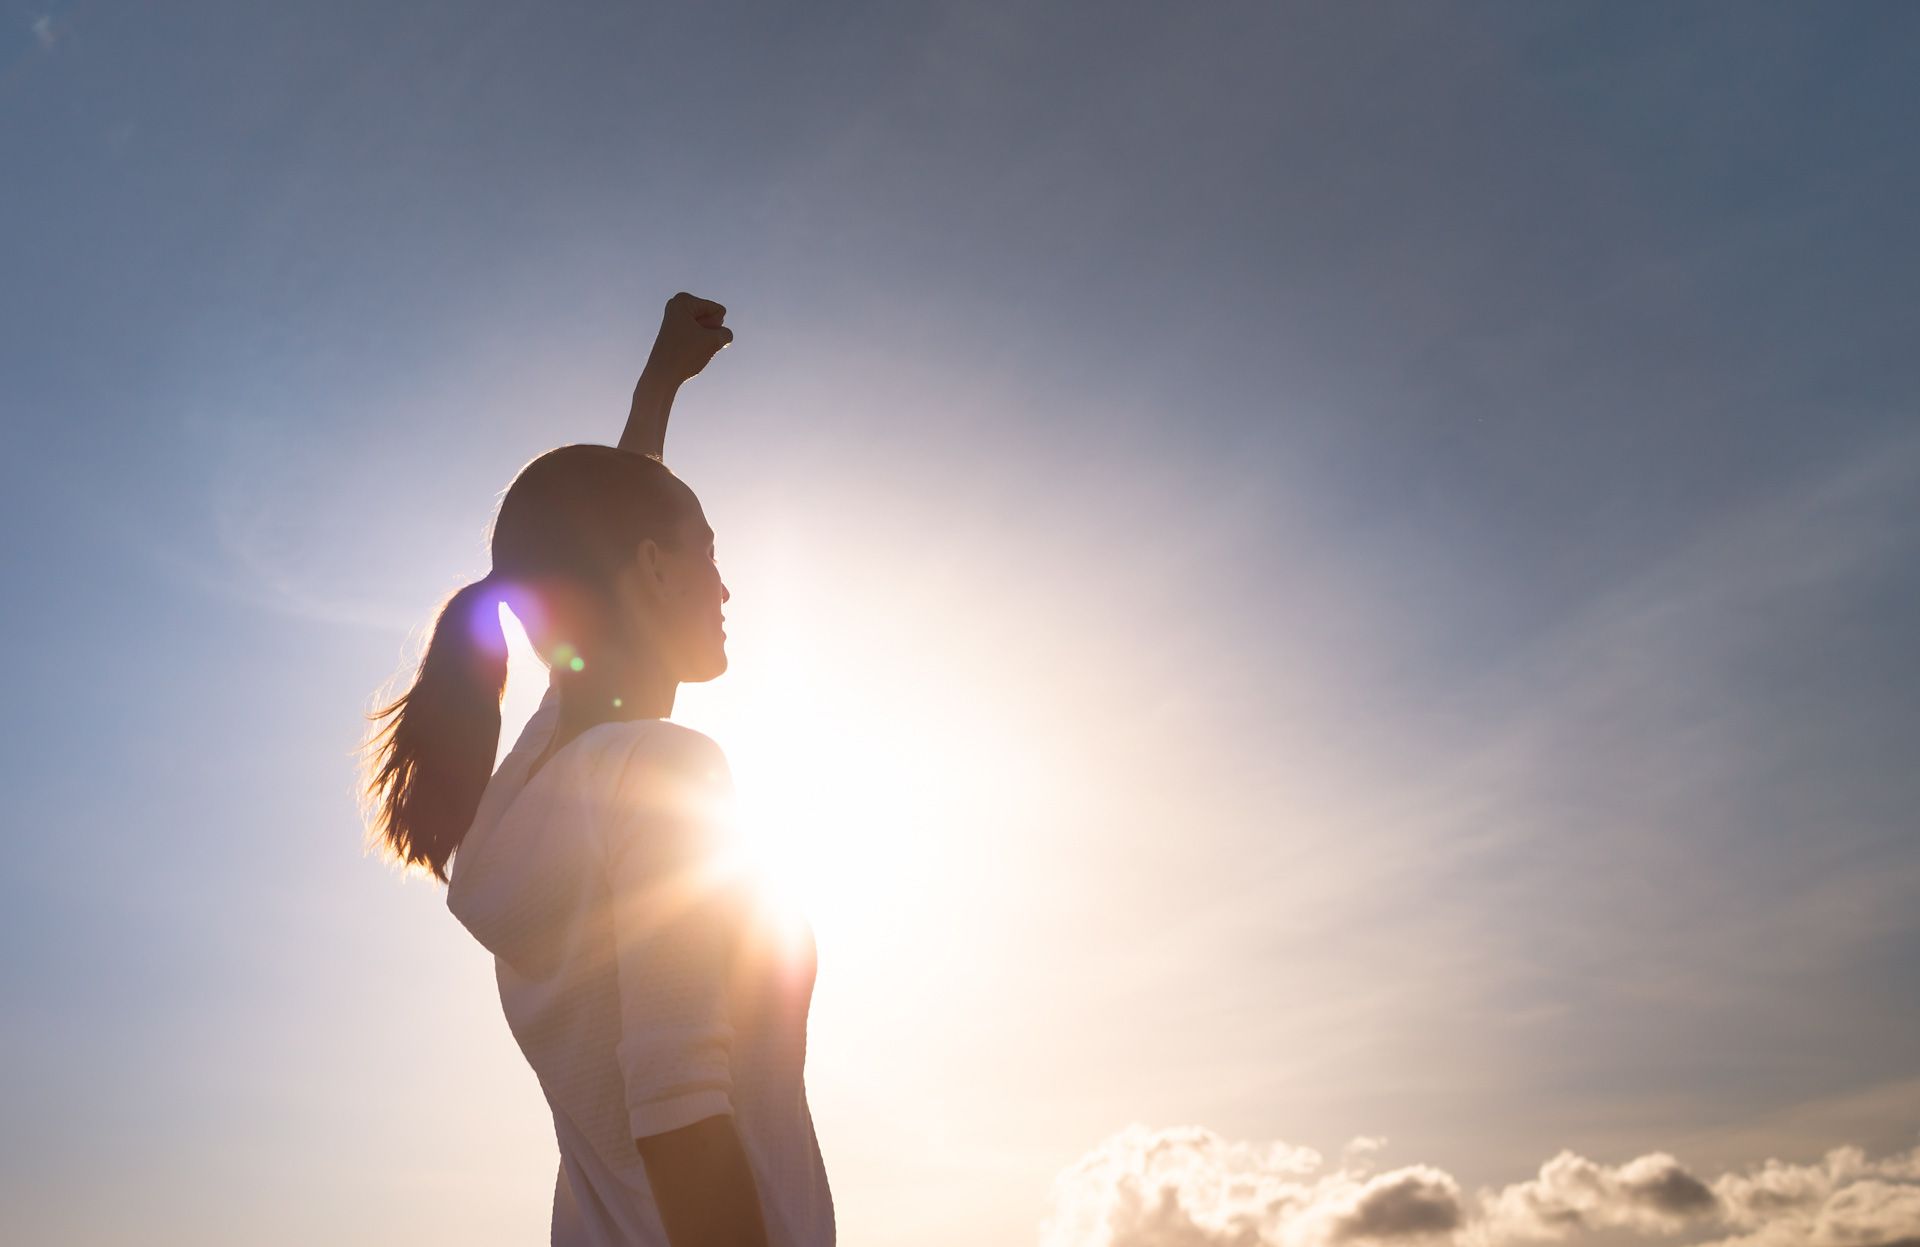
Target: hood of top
column 505, row 873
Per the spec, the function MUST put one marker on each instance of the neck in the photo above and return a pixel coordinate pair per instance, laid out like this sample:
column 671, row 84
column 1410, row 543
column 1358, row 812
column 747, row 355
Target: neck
column 613, row 692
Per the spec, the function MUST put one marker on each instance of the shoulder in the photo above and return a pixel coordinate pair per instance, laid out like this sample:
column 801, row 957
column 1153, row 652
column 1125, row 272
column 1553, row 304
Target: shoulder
column 664, row 791
column 666, row 743
column 650, row 760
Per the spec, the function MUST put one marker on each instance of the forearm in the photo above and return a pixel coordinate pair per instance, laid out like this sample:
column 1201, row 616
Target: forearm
column 646, row 429
column 703, row 1185
column 691, row 333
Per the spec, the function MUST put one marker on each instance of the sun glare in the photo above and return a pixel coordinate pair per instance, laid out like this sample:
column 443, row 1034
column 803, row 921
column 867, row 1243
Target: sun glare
column 822, row 805
column 827, row 792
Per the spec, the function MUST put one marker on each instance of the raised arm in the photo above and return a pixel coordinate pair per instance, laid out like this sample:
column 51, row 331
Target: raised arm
column 691, row 333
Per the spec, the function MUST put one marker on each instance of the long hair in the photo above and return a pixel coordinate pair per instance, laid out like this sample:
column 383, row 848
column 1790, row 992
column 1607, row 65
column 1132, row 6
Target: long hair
column 569, row 521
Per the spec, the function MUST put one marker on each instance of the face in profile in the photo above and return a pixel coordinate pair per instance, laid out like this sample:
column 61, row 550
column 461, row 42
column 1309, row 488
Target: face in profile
column 678, row 601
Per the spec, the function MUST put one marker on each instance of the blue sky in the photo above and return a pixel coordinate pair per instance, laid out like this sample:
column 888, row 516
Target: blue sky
column 1351, row 568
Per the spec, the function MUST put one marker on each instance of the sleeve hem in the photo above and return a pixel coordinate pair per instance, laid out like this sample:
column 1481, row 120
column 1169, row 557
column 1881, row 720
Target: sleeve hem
column 681, row 1110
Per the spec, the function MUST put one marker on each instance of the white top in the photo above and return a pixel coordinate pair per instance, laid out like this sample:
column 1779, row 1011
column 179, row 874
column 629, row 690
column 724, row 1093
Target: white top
column 646, row 979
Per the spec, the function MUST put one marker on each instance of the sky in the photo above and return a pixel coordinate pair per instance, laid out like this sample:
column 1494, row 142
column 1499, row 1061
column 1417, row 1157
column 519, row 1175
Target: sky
column 1322, row 605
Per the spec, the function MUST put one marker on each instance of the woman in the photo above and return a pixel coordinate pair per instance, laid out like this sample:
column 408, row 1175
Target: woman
column 663, row 1011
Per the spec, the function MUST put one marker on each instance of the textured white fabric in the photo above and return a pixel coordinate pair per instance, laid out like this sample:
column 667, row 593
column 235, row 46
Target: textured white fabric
column 644, row 978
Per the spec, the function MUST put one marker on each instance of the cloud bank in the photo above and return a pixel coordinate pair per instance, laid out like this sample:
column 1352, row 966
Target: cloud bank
column 1188, row 1187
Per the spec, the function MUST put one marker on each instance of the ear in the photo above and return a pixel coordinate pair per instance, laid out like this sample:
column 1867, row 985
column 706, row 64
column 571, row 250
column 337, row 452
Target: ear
column 650, row 565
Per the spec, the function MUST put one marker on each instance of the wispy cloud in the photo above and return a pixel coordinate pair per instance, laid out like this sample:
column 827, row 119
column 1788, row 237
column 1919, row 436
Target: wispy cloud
column 1188, row 1187
column 1649, row 858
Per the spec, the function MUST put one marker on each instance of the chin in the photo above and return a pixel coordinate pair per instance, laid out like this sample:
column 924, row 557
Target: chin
column 712, row 669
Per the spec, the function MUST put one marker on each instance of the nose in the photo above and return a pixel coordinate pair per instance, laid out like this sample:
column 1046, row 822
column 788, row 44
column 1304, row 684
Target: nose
column 725, row 597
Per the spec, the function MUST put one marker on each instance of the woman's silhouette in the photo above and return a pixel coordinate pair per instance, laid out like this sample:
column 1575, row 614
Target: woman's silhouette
column 663, row 1013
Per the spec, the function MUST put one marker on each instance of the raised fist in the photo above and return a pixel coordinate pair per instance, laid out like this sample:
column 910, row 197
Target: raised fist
column 691, row 333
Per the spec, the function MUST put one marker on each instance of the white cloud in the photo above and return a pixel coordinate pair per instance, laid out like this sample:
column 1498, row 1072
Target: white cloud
column 1188, row 1187
column 1845, row 1200
column 1357, row 1156
column 1416, row 1202
column 1652, row 1194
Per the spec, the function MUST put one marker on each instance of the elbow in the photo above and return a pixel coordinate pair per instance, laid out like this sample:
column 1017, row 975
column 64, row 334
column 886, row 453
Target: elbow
column 653, row 1119
column 704, row 1137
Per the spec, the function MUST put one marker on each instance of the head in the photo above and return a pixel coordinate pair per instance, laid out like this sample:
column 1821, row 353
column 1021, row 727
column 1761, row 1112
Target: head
column 606, row 558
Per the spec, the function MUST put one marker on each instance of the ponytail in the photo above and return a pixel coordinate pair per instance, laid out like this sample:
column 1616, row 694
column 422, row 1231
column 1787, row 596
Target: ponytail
column 429, row 761
column 566, row 528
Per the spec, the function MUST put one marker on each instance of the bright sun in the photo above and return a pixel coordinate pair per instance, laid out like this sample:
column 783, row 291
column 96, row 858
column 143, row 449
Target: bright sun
column 826, row 787
column 821, row 796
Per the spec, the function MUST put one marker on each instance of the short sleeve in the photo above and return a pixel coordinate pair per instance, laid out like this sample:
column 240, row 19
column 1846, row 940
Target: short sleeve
column 673, row 930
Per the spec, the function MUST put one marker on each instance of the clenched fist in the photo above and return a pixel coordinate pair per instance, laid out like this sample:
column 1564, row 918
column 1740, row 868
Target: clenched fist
column 691, row 333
